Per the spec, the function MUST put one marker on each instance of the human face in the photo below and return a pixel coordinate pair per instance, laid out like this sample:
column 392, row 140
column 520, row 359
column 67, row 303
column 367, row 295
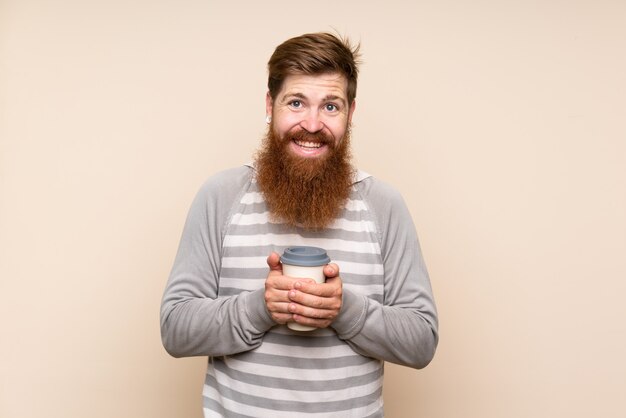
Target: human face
column 311, row 103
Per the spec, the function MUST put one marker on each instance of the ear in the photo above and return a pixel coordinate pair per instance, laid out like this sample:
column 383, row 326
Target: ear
column 351, row 111
column 269, row 104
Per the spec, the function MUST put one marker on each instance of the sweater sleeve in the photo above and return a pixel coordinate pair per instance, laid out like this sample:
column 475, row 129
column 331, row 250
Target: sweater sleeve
column 402, row 329
column 195, row 320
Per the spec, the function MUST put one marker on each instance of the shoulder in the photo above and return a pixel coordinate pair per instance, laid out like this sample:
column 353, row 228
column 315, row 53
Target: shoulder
column 393, row 220
column 230, row 180
column 378, row 194
column 219, row 192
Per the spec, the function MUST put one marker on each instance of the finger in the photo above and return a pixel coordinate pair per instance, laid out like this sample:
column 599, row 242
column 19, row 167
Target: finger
column 315, row 302
column 277, row 282
column 310, row 322
column 274, row 295
column 273, row 261
column 281, row 318
column 331, row 270
column 311, row 313
column 278, row 307
column 332, row 287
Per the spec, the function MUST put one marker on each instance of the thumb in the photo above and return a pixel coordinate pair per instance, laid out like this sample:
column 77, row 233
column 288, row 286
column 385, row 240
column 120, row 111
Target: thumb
column 273, row 261
column 331, row 270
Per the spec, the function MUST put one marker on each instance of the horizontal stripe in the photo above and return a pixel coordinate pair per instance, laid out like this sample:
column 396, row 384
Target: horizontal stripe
column 373, row 292
column 237, row 286
column 251, row 218
column 289, row 383
column 300, row 392
column 305, row 363
column 342, row 350
column 256, row 197
column 264, row 250
column 251, row 198
column 294, row 239
column 245, row 262
column 307, row 339
column 231, row 287
column 243, row 274
column 305, row 374
column 340, row 223
column 355, row 205
column 323, row 332
column 353, row 236
column 285, row 408
column 260, row 218
column 236, row 409
column 360, row 268
column 257, row 207
column 247, row 278
column 356, row 257
column 353, row 226
column 261, row 207
column 261, row 263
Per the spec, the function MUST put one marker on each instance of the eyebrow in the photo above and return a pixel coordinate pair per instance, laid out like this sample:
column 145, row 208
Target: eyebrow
column 328, row 98
column 333, row 98
column 292, row 95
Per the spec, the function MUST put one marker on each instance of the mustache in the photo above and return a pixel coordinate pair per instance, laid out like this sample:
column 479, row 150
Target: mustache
column 319, row 137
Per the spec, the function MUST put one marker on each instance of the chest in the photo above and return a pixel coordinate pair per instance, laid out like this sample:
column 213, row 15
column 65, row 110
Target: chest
column 251, row 235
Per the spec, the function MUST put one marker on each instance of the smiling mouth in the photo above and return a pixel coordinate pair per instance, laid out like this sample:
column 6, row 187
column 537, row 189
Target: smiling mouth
column 307, row 144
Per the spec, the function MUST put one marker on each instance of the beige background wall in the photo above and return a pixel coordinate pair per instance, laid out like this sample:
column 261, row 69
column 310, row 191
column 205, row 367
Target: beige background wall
column 502, row 122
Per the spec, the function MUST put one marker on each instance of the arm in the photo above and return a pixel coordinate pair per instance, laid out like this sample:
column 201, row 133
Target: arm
column 195, row 321
column 403, row 329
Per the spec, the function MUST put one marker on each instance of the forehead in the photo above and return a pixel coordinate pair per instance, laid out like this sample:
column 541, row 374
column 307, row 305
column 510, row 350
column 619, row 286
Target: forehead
column 327, row 84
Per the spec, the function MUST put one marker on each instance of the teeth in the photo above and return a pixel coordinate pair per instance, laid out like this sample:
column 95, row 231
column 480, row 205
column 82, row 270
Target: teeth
column 308, row 144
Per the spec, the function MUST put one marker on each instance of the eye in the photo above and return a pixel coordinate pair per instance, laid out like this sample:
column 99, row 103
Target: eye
column 331, row 107
column 296, row 104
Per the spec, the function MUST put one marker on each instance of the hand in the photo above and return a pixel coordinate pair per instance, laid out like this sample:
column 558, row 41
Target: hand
column 277, row 287
column 316, row 304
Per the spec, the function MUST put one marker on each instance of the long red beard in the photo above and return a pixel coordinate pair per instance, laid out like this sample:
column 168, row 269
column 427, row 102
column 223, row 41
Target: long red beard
column 304, row 192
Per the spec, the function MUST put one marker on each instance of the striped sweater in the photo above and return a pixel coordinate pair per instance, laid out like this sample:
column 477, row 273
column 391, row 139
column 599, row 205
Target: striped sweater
column 214, row 304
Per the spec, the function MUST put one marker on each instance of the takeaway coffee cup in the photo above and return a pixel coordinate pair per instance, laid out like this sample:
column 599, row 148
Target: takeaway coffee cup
column 304, row 262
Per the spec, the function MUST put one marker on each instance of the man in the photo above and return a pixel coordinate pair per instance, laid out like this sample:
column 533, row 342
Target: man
column 227, row 298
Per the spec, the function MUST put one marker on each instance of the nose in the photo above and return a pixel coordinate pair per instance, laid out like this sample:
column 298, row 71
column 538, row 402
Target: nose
column 312, row 122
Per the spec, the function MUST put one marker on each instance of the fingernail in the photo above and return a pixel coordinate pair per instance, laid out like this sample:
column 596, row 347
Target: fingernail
column 292, row 293
column 297, row 285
